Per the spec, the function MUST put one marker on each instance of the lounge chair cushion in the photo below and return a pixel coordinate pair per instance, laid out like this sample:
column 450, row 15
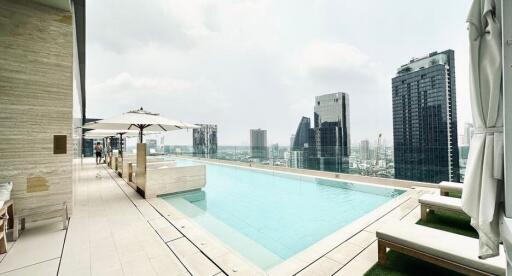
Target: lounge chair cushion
column 449, row 203
column 456, row 248
column 451, row 186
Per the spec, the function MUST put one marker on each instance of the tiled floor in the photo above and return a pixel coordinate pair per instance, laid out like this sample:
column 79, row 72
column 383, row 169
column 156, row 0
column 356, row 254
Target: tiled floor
column 113, row 231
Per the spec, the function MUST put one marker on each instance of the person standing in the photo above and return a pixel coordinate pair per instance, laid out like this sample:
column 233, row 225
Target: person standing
column 99, row 150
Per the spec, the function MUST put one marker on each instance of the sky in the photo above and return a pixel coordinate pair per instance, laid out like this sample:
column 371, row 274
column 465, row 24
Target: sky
column 244, row 64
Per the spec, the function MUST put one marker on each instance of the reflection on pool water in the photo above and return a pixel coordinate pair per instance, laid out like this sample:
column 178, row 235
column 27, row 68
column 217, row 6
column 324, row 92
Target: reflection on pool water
column 268, row 217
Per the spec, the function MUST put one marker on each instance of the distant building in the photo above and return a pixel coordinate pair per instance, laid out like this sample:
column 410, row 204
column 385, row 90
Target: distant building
column 274, row 150
column 425, row 119
column 204, row 140
column 167, row 149
column 364, row 150
column 330, row 140
column 292, row 138
column 151, row 146
column 296, row 159
column 299, row 148
column 259, row 148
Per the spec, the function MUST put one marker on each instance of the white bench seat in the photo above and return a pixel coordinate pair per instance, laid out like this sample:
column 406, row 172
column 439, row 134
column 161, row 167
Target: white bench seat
column 452, row 251
column 446, row 187
column 441, row 203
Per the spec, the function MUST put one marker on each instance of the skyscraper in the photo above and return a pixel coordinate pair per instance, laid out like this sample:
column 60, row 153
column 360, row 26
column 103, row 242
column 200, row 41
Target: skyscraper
column 364, row 150
column 425, row 119
column 330, row 140
column 259, row 147
column 299, row 150
column 204, row 140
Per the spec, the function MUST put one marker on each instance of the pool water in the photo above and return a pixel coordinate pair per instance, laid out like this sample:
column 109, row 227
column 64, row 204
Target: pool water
column 268, row 217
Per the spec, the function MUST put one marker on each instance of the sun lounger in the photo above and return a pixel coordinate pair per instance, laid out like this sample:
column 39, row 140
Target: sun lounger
column 455, row 252
column 430, row 202
column 447, row 187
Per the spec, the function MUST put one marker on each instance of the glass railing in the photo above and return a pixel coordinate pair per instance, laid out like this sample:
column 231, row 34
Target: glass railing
column 427, row 166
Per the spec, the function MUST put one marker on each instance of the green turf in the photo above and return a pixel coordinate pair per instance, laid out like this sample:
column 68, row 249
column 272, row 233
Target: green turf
column 450, row 222
column 399, row 264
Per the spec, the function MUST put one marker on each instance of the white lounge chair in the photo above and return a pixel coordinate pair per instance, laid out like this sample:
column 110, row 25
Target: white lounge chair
column 431, row 202
column 447, row 187
column 455, row 252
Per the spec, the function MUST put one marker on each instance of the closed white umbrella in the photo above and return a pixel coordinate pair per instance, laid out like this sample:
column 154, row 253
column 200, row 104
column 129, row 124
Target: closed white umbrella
column 483, row 184
column 140, row 120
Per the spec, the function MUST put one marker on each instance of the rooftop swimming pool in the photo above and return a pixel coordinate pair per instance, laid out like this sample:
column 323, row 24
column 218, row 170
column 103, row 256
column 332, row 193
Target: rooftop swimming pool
column 267, row 216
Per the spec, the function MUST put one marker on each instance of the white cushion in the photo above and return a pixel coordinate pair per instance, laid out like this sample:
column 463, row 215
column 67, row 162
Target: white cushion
column 5, row 191
column 451, row 186
column 450, row 203
column 456, row 248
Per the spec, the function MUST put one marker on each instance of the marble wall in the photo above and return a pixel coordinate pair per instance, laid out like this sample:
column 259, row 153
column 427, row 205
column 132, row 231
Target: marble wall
column 36, row 102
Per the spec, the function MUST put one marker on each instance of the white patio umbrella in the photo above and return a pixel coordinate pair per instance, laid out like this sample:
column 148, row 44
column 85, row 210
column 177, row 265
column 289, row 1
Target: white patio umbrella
column 140, row 120
column 483, row 184
column 101, row 133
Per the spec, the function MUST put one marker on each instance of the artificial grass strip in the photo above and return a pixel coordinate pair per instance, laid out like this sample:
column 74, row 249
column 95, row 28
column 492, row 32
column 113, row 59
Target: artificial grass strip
column 450, row 222
column 399, row 264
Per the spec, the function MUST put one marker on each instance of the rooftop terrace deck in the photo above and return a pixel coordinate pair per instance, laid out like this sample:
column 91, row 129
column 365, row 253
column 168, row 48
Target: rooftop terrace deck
column 113, row 231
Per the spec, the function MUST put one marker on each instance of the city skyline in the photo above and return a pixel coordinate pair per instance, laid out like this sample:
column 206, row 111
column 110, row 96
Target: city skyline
column 271, row 63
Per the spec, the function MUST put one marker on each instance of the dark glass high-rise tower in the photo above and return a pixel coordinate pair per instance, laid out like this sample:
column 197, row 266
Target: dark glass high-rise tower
column 204, row 140
column 330, row 140
column 425, row 119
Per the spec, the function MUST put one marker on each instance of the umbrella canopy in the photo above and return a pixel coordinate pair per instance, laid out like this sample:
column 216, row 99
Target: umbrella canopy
column 140, row 120
column 101, row 133
column 483, row 184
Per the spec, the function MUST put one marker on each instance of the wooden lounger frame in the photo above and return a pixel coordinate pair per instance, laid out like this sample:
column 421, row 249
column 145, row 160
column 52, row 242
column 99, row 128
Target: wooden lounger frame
column 384, row 244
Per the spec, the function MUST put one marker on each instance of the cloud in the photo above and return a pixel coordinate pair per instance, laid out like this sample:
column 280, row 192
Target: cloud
column 129, row 24
column 337, row 64
column 259, row 63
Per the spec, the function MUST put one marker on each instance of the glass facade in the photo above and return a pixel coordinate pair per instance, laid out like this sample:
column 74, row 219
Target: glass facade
column 259, row 148
column 204, row 140
column 425, row 120
column 330, row 136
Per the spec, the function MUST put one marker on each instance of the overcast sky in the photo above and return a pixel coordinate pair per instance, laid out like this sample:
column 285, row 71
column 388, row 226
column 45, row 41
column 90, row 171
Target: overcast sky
column 245, row 64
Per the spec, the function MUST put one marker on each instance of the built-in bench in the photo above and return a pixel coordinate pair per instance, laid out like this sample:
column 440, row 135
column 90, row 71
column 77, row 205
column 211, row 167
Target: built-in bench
column 38, row 214
column 166, row 178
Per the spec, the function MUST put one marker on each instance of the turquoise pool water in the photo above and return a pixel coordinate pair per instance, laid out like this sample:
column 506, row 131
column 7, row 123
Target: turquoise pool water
column 268, row 217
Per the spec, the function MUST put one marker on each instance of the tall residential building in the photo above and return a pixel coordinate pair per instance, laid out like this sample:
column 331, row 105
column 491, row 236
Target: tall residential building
column 204, row 140
column 259, row 148
column 425, row 119
column 364, row 150
column 292, row 138
column 330, row 141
